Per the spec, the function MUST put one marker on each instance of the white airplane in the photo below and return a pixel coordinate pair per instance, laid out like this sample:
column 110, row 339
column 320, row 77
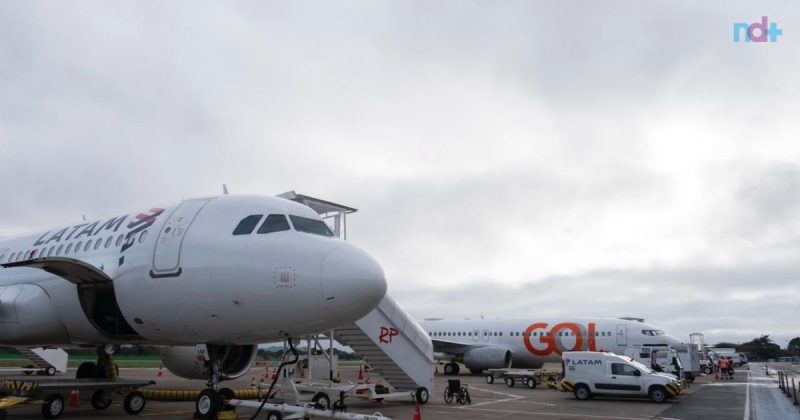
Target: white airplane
column 497, row 344
column 216, row 275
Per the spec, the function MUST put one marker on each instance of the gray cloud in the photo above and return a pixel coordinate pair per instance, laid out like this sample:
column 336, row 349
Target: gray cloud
column 529, row 151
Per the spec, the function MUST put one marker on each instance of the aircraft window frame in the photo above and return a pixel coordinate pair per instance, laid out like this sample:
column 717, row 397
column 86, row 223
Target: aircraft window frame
column 142, row 236
column 78, row 246
column 11, row 258
column 119, row 240
column 109, row 241
column 98, row 243
column 52, row 249
column 69, row 249
column 88, row 245
column 311, row 226
column 60, row 248
column 269, row 227
column 247, row 225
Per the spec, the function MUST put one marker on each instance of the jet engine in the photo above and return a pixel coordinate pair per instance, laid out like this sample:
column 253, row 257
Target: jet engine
column 183, row 361
column 494, row 357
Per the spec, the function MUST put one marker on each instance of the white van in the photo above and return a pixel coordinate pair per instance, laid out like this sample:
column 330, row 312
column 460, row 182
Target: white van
column 730, row 353
column 589, row 373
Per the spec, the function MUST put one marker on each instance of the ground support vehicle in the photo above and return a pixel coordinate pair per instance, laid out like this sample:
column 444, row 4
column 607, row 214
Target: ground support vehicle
column 50, row 393
column 590, row 373
column 527, row 377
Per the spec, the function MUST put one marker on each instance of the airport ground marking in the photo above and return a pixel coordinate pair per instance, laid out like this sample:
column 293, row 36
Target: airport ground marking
column 510, row 397
column 497, row 393
column 547, row 413
column 747, row 398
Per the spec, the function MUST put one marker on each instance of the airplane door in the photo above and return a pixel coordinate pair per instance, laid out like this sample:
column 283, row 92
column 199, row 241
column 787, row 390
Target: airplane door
column 167, row 254
column 486, row 335
column 622, row 335
column 476, row 335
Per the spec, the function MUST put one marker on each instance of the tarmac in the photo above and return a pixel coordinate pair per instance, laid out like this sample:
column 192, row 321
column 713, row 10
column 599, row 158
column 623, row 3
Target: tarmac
column 750, row 395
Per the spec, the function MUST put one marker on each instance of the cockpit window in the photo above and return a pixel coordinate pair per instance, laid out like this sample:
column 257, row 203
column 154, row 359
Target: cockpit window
column 316, row 227
column 246, row 226
column 652, row 332
column 274, row 223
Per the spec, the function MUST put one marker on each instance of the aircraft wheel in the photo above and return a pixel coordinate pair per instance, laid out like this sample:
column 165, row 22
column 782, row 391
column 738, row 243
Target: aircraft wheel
column 50, row 371
column 29, row 372
column 207, row 404
column 422, row 395
column 226, row 394
column 101, row 400
column 53, row 406
column 134, row 403
column 490, row 379
column 531, row 383
column 274, row 415
column 509, row 381
column 87, row 370
column 451, row 369
column 707, row 370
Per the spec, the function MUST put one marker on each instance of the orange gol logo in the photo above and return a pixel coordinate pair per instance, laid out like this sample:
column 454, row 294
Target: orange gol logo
column 584, row 339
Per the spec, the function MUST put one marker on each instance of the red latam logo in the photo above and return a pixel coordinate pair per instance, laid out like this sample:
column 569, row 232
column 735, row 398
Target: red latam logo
column 386, row 334
column 553, row 342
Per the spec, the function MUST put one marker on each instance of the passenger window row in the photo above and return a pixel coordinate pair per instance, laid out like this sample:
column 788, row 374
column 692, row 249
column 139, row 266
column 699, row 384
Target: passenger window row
column 72, row 248
column 513, row 334
column 278, row 223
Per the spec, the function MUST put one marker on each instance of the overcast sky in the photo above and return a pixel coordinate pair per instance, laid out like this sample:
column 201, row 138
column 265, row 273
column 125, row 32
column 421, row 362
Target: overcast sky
column 509, row 159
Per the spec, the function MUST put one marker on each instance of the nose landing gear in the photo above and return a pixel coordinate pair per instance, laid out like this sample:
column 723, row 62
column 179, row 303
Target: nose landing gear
column 209, row 402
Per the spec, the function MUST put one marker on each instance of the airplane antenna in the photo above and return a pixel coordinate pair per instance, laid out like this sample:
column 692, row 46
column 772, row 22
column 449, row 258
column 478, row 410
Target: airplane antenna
column 84, row 217
column 224, row 189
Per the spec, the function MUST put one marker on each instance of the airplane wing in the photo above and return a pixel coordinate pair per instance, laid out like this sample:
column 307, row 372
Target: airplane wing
column 74, row 271
column 451, row 347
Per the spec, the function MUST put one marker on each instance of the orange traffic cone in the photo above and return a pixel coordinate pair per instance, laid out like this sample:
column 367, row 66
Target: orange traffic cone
column 417, row 414
column 74, row 398
column 160, row 371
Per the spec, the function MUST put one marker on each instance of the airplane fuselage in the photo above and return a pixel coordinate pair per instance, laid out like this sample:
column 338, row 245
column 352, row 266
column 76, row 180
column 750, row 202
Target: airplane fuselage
column 533, row 342
column 194, row 272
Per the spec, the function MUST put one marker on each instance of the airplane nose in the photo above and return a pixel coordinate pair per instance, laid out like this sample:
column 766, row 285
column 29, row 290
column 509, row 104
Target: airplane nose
column 353, row 283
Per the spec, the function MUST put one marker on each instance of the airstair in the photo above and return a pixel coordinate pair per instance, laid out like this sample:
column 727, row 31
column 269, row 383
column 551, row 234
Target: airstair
column 393, row 344
column 388, row 338
column 50, row 361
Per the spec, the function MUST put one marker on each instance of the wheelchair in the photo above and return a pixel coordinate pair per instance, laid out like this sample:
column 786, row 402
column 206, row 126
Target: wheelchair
column 456, row 392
